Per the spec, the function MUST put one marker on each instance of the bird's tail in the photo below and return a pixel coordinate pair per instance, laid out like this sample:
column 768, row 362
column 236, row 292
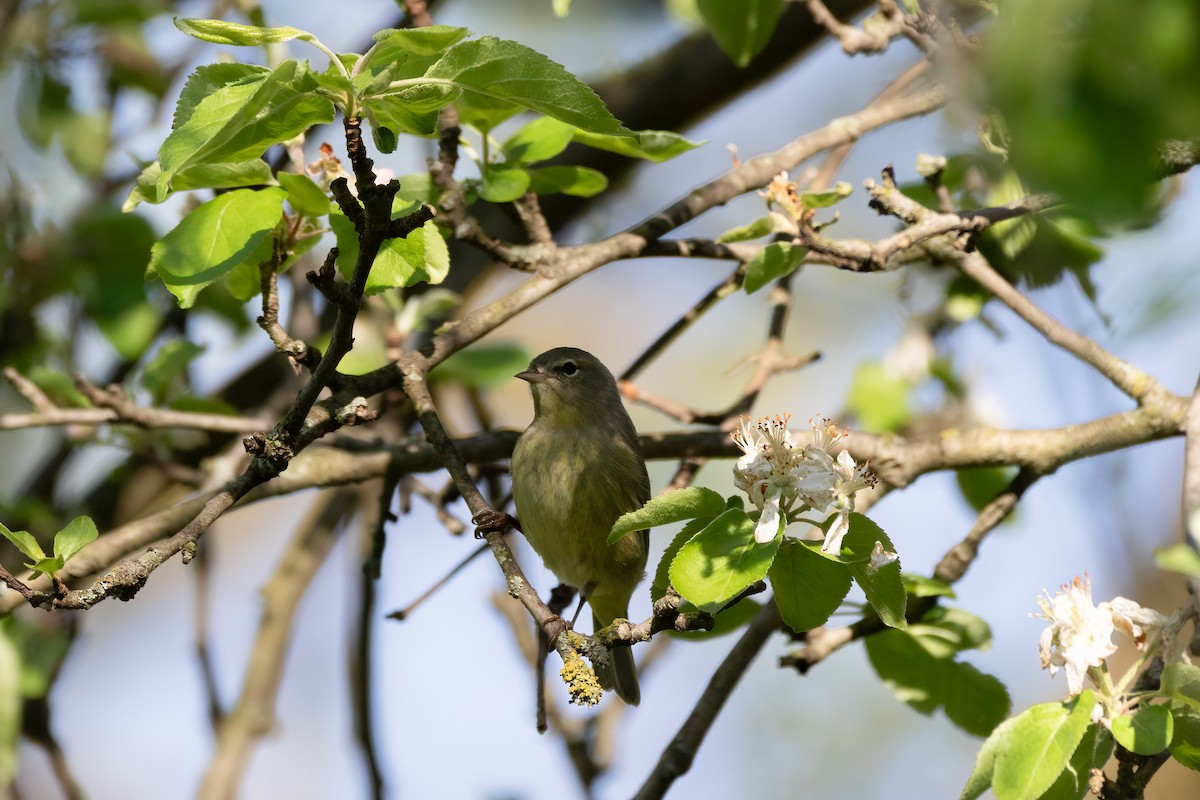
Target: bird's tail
column 620, row 673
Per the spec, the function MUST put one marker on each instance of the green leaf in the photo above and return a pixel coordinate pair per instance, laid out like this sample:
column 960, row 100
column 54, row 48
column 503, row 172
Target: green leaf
column 878, row 399
column 40, row 651
column 543, row 138
column 304, row 195
column 808, row 588
column 772, row 262
column 944, row 631
column 1039, row 747
column 745, row 233
column 1185, row 745
column 985, row 762
column 400, row 54
column 567, row 179
column 1011, row 236
column 729, row 621
column 108, row 252
column 837, row 194
column 11, row 707
column 655, row 146
column 1180, row 558
column 1146, row 731
column 662, row 578
column 1182, row 679
column 927, row 678
column 483, row 366
column 48, row 565
column 168, row 367
column 681, row 504
column 219, row 31
column 213, row 239
column 973, row 700
column 410, row 109
column 241, row 119
column 720, row 561
column 482, row 112
column 230, row 175
column 420, row 257
column 23, row 541
column 742, row 28
column 921, row 586
column 1093, row 752
column 982, row 485
column 71, row 539
column 513, row 73
column 883, row 587
column 503, row 185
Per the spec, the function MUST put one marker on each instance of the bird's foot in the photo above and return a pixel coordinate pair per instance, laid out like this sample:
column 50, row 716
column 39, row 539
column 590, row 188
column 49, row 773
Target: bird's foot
column 492, row 521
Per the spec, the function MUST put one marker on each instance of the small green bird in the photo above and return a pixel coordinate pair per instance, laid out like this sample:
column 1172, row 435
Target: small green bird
column 575, row 469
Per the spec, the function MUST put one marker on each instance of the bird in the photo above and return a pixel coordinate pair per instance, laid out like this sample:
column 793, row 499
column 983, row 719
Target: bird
column 575, row 470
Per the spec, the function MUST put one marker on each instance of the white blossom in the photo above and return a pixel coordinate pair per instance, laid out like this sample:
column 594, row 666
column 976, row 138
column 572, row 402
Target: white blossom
column 1079, row 635
column 775, row 474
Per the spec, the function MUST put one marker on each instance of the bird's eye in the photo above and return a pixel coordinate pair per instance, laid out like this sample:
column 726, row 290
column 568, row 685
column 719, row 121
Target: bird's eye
column 568, row 368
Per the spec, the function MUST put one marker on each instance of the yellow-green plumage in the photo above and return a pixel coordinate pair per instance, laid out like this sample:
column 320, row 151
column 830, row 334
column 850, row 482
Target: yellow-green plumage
column 575, row 469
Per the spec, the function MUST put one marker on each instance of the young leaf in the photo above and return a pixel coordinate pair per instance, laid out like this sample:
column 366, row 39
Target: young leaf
column 681, row 504
column 219, row 31
column 837, row 194
column 168, row 366
column 1182, row 679
column 422, row 256
column 23, row 541
column 213, row 239
column 400, row 54
column 230, row 175
column 304, row 195
column 514, row 73
column 741, row 27
column 567, row 179
column 1039, row 747
column 1185, row 744
column 503, row 185
column 773, row 261
column 241, row 119
column 1179, row 558
column 1146, row 731
column 985, row 762
column 808, row 588
column 10, row 708
column 720, row 561
column 982, row 485
column 1092, row 753
column 973, row 700
column 71, row 539
column 921, row 586
column 879, row 399
column 662, row 579
column 655, row 146
column 883, row 587
column 750, row 231
column 539, row 140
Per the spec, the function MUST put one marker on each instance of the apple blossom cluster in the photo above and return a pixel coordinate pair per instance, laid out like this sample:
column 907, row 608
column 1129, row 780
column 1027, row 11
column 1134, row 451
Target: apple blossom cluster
column 1079, row 636
column 779, row 476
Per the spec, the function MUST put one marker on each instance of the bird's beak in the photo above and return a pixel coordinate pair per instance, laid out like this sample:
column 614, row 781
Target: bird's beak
column 533, row 376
